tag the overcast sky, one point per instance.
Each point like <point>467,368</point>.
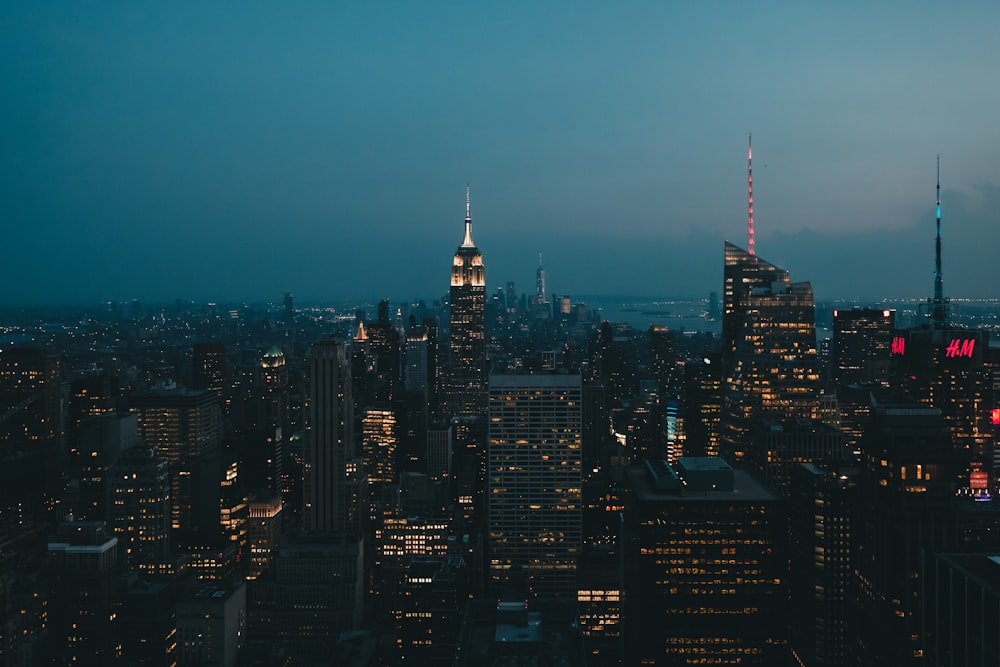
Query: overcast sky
<point>236,150</point>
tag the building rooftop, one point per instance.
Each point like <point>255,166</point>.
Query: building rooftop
<point>745,487</point>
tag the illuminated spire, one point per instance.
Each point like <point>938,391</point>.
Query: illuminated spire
<point>750,194</point>
<point>467,242</point>
<point>939,307</point>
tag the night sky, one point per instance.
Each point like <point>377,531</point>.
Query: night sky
<point>232,151</point>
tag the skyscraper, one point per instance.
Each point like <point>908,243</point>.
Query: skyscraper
<point>138,513</point>
<point>329,439</point>
<point>705,566</point>
<point>769,346</point>
<point>948,367</point>
<point>185,427</point>
<point>466,395</point>
<point>862,339</point>
<point>535,506</point>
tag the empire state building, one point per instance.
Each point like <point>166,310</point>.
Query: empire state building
<point>466,395</point>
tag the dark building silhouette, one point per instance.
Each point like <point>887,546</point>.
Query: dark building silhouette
<point>862,340</point>
<point>777,446</point>
<point>101,441</point>
<point>84,626</point>
<point>963,610</point>
<point>330,503</point>
<point>31,415</point>
<point>702,405</point>
<point>822,590</point>
<point>210,367</point>
<point>906,512</point>
<point>138,510</point>
<point>185,428</point>
<point>706,571</point>
<point>948,369</point>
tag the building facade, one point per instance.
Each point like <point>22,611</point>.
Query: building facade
<point>535,503</point>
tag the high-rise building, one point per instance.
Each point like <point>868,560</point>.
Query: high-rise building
<point>466,393</point>
<point>84,627</point>
<point>329,440</point>
<point>907,511</point>
<point>102,439</point>
<point>31,414</point>
<point>380,444</point>
<point>702,407</point>
<point>535,504</point>
<point>210,367</point>
<point>212,625</point>
<point>705,570</point>
<point>384,343</point>
<point>274,390</point>
<point>539,301</point>
<point>769,346</point>
<point>948,368</point>
<point>775,447</point>
<point>138,510</point>
<point>822,566</point>
<point>963,610</point>
<point>313,591</point>
<point>862,339</point>
<point>185,428</point>
<point>263,533</point>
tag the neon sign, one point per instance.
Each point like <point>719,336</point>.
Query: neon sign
<point>960,347</point>
<point>995,417</point>
<point>898,344</point>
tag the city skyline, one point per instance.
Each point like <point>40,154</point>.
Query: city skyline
<point>196,152</point>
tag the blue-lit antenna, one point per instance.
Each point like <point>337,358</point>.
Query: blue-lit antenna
<point>939,310</point>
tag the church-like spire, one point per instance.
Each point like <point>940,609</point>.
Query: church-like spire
<point>468,242</point>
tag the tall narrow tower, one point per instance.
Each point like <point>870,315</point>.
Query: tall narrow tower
<point>939,305</point>
<point>466,395</point>
<point>329,501</point>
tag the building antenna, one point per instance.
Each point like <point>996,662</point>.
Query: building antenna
<point>939,315</point>
<point>467,241</point>
<point>750,194</point>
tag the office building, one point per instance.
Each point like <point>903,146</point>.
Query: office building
<point>101,440</point>
<point>821,504</point>
<point>185,428</point>
<point>947,368</point>
<point>963,610</point>
<point>31,407</point>
<point>534,473</point>
<point>212,625</point>
<point>769,347</point>
<point>328,493</point>
<point>84,626</point>
<point>862,340</point>
<point>138,510</point>
<point>907,500</point>
<point>706,566</point>
<point>210,367</point>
